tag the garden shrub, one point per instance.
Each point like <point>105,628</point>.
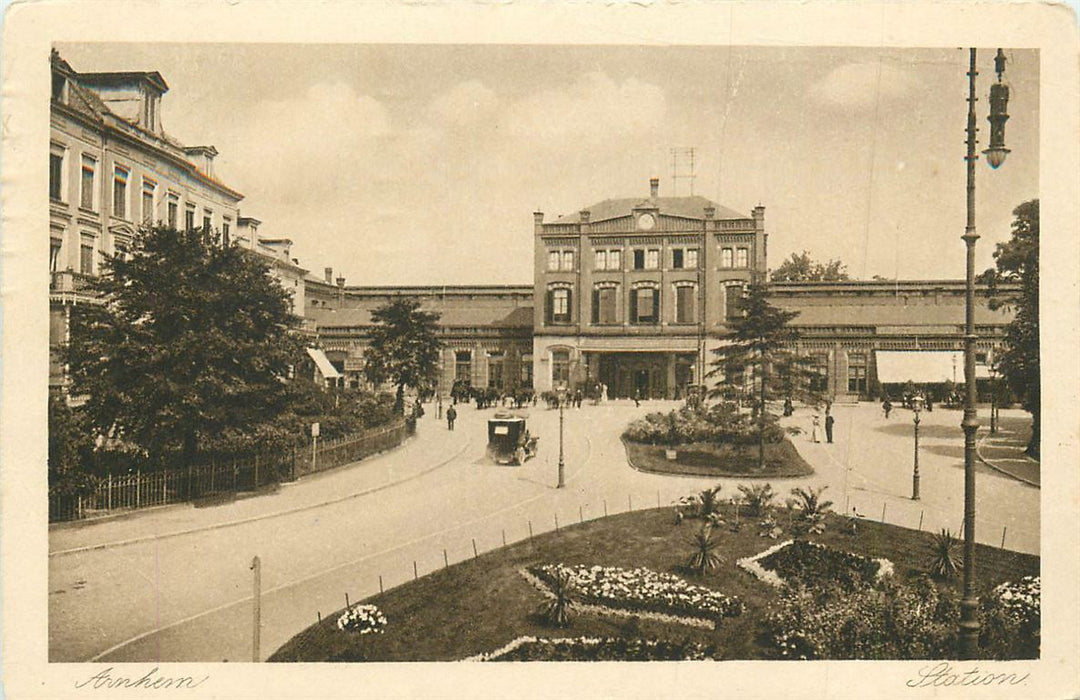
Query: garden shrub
<point>757,498</point>
<point>891,621</point>
<point>718,424</point>
<point>1012,620</point>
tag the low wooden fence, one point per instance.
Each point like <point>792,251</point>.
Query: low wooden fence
<point>225,475</point>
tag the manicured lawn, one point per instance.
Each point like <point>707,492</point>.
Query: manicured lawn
<point>781,460</point>
<point>482,604</point>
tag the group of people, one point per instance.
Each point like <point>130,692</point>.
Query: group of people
<point>830,423</point>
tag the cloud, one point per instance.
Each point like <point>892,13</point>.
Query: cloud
<point>464,104</point>
<point>592,110</point>
<point>859,86</point>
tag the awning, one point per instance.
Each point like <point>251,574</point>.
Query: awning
<point>326,368</point>
<point>924,367</point>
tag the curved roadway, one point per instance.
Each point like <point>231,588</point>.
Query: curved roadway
<point>174,584</point>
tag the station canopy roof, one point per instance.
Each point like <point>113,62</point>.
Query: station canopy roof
<point>326,368</point>
<point>924,366</point>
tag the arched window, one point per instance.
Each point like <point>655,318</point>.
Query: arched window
<point>560,367</point>
<point>645,304</point>
<point>605,304</point>
<point>558,305</point>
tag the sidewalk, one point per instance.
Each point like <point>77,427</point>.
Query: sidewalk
<point>1004,451</point>
<point>431,448</point>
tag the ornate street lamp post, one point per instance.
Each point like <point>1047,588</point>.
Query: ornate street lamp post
<point>918,404</point>
<point>995,156</point>
<point>561,391</point>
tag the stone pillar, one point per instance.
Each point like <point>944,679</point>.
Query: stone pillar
<point>479,367</point>
<point>669,389</point>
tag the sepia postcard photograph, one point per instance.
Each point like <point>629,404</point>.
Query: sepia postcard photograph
<point>380,342</point>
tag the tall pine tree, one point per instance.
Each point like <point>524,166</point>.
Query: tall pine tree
<point>760,345</point>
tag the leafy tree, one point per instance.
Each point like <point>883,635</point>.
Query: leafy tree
<point>762,343</point>
<point>191,342</point>
<point>404,347</point>
<point>800,267</point>
<point>1017,262</point>
<point>68,446</point>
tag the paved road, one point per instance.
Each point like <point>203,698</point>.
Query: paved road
<point>175,584</point>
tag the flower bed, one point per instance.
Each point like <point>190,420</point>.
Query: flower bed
<point>643,590</point>
<point>598,649</point>
<point>1021,599</point>
<point>362,619</point>
<point>811,564</point>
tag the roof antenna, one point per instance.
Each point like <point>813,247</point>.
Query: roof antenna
<point>686,154</point>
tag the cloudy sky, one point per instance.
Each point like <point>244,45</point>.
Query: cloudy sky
<point>423,164</point>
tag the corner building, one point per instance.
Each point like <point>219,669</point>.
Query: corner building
<point>628,291</point>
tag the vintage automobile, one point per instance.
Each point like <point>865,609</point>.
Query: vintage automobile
<point>509,441</point>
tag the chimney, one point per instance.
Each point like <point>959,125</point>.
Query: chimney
<point>329,273</point>
<point>340,281</point>
<point>538,221</point>
<point>654,187</point>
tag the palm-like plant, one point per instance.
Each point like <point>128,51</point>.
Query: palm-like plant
<point>704,558</point>
<point>757,497</point>
<point>812,508</point>
<point>558,609</point>
<point>710,502</point>
<point>944,564</point>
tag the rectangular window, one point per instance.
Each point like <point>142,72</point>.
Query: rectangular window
<point>526,370</point>
<point>819,372</point>
<point>645,303</point>
<point>225,231</point>
<point>560,306</point>
<point>56,173</point>
<point>857,373</point>
<point>639,259</point>
<point>463,366</point>
<point>173,208</point>
<point>741,258</point>
<point>691,258</point>
<point>553,260</point>
<point>685,304</point>
<point>189,217</point>
<point>148,188</point>
<point>560,367</point>
<point>601,260</point>
<point>568,260</point>
<point>207,220</point>
<point>733,302</point>
<point>120,177</point>
<point>676,258</point>
<point>86,183</point>
<point>614,260</point>
<point>86,259</point>
<point>726,259</point>
<point>495,370</point>
<point>652,260</point>
<point>54,255</point>
<point>604,299</point>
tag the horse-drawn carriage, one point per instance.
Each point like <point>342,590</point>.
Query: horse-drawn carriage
<point>509,441</point>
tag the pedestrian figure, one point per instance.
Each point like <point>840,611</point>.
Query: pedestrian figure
<point>603,393</point>
<point>814,429</point>
<point>887,405</point>
<point>788,408</point>
<point>829,421</point>
<point>438,405</point>
<point>637,397</point>
<point>451,416</point>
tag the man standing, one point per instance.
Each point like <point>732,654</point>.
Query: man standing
<point>829,420</point>
<point>887,406</point>
<point>451,416</point>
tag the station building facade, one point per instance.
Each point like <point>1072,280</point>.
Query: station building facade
<point>634,293</point>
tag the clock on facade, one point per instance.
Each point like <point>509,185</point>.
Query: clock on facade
<point>646,222</point>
